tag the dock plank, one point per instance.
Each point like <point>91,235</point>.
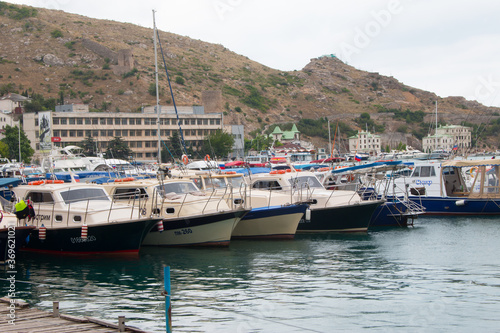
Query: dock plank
<point>33,320</point>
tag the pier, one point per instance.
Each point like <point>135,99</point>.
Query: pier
<point>18,316</point>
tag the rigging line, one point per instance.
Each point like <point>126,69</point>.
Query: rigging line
<point>171,92</point>
<point>173,158</point>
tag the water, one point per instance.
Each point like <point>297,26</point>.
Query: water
<point>443,274</point>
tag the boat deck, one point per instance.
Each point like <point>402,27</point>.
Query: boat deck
<point>33,320</point>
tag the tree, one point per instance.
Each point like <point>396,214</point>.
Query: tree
<point>4,149</point>
<point>11,139</point>
<point>218,144</point>
<point>175,146</point>
<point>89,146</point>
<point>117,148</point>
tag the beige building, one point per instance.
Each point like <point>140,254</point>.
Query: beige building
<point>365,142</point>
<point>139,130</point>
<point>448,137</point>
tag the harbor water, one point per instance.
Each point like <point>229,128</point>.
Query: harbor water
<point>442,274</point>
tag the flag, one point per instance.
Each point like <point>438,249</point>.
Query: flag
<point>357,157</point>
<point>455,147</point>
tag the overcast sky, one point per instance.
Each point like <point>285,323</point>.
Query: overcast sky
<point>448,47</point>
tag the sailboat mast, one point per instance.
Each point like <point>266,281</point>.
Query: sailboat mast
<point>436,132</point>
<point>329,139</point>
<point>157,91</point>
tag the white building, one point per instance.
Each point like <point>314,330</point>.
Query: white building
<point>138,130</point>
<point>365,142</point>
<point>448,137</point>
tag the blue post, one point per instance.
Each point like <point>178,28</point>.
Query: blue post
<point>168,306</point>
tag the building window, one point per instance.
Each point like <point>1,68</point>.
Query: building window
<point>118,133</point>
<point>147,132</point>
<point>88,133</point>
<point>147,144</point>
<point>217,121</point>
<point>87,121</point>
<point>79,133</point>
<point>193,121</point>
<point>153,132</point>
<point>95,121</point>
<point>138,133</point>
<point>200,121</point>
<point>37,134</point>
<point>124,121</point>
<point>124,133</point>
<point>138,121</point>
<point>132,133</point>
<point>117,121</point>
<point>64,133</point>
<point>131,121</point>
<point>110,133</point>
<point>64,121</point>
<point>102,121</point>
<point>103,132</point>
<point>95,133</point>
<point>109,121</point>
<point>56,133</point>
<point>146,121</point>
<point>72,121</point>
<point>139,144</point>
<point>152,121</point>
<point>79,121</point>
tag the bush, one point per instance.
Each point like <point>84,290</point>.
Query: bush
<point>56,33</point>
<point>179,80</point>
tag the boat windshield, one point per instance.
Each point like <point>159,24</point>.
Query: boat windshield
<point>236,182</point>
<point>84,194</point>
<point>215,183</point>
<point>178,188</point>
<point>305,181</point>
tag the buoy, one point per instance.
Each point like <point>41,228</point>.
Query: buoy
<point>126,179</point>
<point>159,225</point>
<point>85,230</point>
<point>42,232</point>
<point>308,214</point>
<point>36,182</point>
<point>185,159</point>
<point>207,158</point>
<point>460,202</point>
<point>52,181</point>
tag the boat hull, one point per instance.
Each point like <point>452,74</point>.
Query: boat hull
<point>199,230</point>
<point>390,214</point>
<point>349,218</point>
<point>274,222</point>
<point>109,238</point>
<point>449,206</point>
<point>13,238</point>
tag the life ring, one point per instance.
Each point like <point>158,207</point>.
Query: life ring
<point>207,158</point>
<point>473,170</point>
<point>185,159</point>
<point>52,181</point>
<point>324,169</point>
<point>127,179</point>
<point>230,172</point>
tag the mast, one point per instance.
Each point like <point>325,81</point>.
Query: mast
<point>329,139</point>
<point>436,132</point>
<point>157,92</point>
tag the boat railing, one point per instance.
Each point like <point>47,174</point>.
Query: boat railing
<point>42,208</point>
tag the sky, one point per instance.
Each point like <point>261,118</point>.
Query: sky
<point>451,48</point>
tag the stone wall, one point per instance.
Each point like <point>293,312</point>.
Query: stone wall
<point>212,101</point>
<point>100,50</point>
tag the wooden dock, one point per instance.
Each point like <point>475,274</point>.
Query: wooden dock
<point>33,320</point>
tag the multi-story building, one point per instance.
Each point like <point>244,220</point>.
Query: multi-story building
<point>365,142</point>
<point>139,130</point>
<point>448,137</point>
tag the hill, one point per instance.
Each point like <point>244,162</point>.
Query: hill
<point>110,66</point>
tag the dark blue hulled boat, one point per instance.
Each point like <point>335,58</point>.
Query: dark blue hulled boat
<point>457,195</point>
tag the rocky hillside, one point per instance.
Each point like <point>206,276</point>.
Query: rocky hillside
<point>110,66</point>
